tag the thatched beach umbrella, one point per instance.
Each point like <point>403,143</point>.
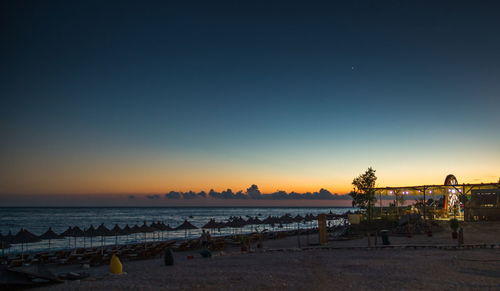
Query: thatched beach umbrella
<point>250,221</point>
<point>161,227</point>
<point>299,218</point>
<point>24,237</point>
<point>167,228</point>
<point>271,221</point>
<point>211,224</point>
<point>309,217</point>
<point>117,231</point>
<point>91,233</point>
<point>286,219</point>
<point>158,225</point>
<point>9,237</point>
<point>77,232</point>
<point>49,235</point>
<point>135,230</point>
<point>232,225</point>
<point>4,243</point>
<point>254,221</point>
<point>127,230</point>
<point>146,229</point>
<point>235,223</point>
<point>103,231</point>
<point>240,223</point>
<point>186,225</point>
<point>68,234</point>
<point>156,228</point>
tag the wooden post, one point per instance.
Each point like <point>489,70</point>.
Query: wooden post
<point>323,234</point>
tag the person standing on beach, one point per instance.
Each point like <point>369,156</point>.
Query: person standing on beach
<point>204,239</point>
<point>209,238</point>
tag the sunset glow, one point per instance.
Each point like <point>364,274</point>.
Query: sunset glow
<point>286,103</point>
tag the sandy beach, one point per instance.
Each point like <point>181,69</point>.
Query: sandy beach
<point>344,265</point>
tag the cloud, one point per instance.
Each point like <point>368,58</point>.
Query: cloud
<point>254,193</point>
<point>154,196</point>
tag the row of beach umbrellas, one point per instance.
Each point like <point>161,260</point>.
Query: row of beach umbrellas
<point>24,236</point>
<point>238,222</point>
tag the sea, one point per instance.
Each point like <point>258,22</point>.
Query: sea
<point>38,219</point>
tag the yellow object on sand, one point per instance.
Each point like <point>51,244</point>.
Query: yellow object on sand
<point>116,266</point>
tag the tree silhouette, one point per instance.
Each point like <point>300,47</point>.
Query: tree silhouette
<point>363,194</point>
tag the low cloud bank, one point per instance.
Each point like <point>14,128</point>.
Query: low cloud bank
<point>253,192</point>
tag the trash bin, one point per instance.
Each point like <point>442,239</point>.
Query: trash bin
<point>168,257</point>
<point>385,237</point>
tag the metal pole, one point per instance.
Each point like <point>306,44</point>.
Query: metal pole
<point>380,197</point>
<point>425,202</point>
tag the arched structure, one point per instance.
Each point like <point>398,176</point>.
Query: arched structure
<point>450,190</point>
<point>450,180</point>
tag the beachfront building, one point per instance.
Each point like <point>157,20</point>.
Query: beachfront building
<point>463,201</point>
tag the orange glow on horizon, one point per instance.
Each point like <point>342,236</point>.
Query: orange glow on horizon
<point>127,173</point>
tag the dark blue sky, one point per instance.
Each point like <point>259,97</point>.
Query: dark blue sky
<point>247,84</point>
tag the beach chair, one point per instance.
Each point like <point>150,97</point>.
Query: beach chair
<point>217,245</point>
<point>16,263</point>
<point>183,246</point>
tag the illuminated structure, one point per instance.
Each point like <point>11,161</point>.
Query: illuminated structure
<point>451,193</point>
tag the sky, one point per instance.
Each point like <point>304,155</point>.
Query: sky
<point>124,97</point>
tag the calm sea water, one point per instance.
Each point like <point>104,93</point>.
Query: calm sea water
<point>37,220</point>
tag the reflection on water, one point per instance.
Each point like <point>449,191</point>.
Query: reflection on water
<point>37,220</point>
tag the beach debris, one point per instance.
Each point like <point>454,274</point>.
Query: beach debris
<point>74,276</point>
<point>22,277</point>
<point>116,266</point>
<point>205,254</point>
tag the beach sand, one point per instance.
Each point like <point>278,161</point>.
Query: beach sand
<point>284,266</point>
